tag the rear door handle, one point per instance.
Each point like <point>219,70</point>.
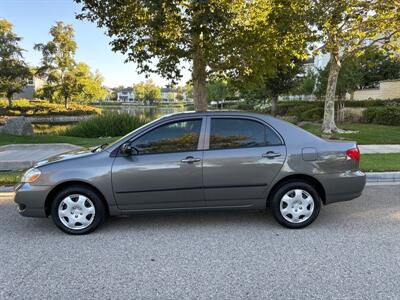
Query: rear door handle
<point>190,159</point>
<point>271,154</point>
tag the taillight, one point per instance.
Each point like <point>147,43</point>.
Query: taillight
<point>354,154</point>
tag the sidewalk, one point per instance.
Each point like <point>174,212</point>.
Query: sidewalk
<point>373,149</point>
<point>22,156</point>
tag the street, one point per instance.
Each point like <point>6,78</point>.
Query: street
<point>351,251</point>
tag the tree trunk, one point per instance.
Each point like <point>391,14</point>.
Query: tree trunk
<point>66,104</point>
<point>199,76</point>
<point>329,125</point>
<point>274,104</point>
<point>9,97</point>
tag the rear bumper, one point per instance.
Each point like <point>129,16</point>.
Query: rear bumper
<point>30,200</point>
<point>343,186</point>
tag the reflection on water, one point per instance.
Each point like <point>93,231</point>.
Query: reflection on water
<point>150,112</point>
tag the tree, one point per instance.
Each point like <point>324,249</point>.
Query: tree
<point>65,78</point>
<point>147,91</point>
<point>14,73</point>
<point>307,84</point>
<point>275,43</point>
<point>364,71</point>
<point>81,84</point>
<point>218,89</point>
<point>58,63</point>
<point>179,94</point>
<point>377,65</point>
<point>88,85</point>
<point>348,28</point>
<point>349,79</point>
<point>214,36</point>
<point>282,82</point>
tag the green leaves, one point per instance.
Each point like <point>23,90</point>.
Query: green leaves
<point>242,39</point>
<point>66,80</point>
<point>14,73</point>
<point>147,91</point>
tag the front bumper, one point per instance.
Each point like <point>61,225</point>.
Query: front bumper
<point>31,200</point>
<point>343,187</point>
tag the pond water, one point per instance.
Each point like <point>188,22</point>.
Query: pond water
<point>148,111</point>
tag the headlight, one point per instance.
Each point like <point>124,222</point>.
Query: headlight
<point>31,175</point>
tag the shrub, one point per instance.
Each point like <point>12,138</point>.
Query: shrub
<point>382,115</point>
<point>371,103</point>
<point>107,124</point>
<point>26,107</point>
<point>315,114</point>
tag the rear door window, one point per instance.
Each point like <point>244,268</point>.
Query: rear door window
<point>230,133</point>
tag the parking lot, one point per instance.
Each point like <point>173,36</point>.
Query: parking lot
<point>350,252</point>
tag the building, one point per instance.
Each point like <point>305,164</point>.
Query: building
<point>126,95</point>
<point>28,92</point>
<point>168,94</point>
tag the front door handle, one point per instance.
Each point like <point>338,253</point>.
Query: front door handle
<point>271,154</point>
<point>190,159</point>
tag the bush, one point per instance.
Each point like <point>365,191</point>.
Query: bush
<point>315,114</point>
<point>26,107</point>
<point>382,115</point>
<point>245,105</point>
<point>313,110</point>
<point>106,125</point>
<point>371,103</point>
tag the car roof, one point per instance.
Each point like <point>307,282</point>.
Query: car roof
<point>217,113</point>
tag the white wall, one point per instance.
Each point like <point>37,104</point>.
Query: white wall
<point>388,89</point>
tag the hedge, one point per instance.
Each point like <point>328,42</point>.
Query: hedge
<point>382,115</point>
<point>314,110</point>
<point>371,103</point>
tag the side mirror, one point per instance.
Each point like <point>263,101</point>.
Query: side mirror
<point>127,149</point>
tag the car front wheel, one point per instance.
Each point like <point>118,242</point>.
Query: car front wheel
<point>77,210</point>
<point>295,204</point>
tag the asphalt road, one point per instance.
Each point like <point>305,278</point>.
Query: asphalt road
<point>352,251</point>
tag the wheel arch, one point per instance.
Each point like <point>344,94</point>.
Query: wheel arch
<point>302,177</point>
<point>60,186</point>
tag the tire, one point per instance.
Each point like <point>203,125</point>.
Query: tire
<point>77,210</point>
<point>295,204</point>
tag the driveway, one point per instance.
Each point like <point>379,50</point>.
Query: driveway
<point>23,156</point>
<point>350,252</point>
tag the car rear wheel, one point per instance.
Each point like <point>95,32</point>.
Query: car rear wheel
<point>77,210</point>
<point>295,204</point>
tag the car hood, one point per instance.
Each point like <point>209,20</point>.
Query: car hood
<point>66,156</point>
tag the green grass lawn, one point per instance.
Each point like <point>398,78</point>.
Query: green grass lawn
<point>367,133</point>
<point>380,162</point>
<point>10,177</point>
<point>45,139</point>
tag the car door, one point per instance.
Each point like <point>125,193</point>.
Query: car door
<point>242,156</point>
<point>166,171</point>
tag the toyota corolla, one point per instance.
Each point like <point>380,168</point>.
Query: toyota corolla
<point>195,161</point>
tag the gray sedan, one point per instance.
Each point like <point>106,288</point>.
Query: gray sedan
<point>195,161</point>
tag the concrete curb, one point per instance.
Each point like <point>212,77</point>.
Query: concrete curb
<point>383,176</point>
<point>372,177</point>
